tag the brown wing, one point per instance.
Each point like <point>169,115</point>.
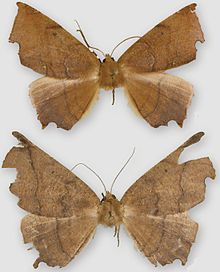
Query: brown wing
<point>156,205</point>
<point>63,101</point>
<point>158,97</point>
<point>63,208</point>
<point>58,240</point>
<point>170,44</point>
<point>48,49</point>
<point>44,186</point>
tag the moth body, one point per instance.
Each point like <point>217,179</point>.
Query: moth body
<point>110,76</point>
<point>110,211</point>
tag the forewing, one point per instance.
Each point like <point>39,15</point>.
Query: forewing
<point>170,44</point>
<point>58,240</point>
<point>48,49</point>
<point>158,97</point>
<point>44,186</point>
<point>156,205</point>
<point>63,101</point>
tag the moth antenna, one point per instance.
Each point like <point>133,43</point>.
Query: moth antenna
<point>92,172</point>
<point>129,38</point>
<point>85,40</point>
<point>113,183</point>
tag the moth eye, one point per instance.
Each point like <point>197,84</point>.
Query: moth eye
<point>103,199</point>
<point>104,60</point>
<point>112,58</point>
<point>114,196</point>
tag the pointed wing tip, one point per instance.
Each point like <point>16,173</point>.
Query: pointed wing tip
<point>191,6</point>
<point>21,138</point>
<point>213,172</point>
<point>20,4</point>
<point>194,139</point>
<point>199,134</point>
<point>18,135</point>
<point>7,163</point>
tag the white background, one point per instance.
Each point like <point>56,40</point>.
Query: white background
<point>105,139</point>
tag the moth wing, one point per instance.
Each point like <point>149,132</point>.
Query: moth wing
<point>158,97</point>
<point>63,101</point>
<point>170,44</point>
<point>44,186</point>
<point>58,240</point>
<point>156,205</point>
<point>48,49</point>
<point>71,70</point>
<point>63,208</point>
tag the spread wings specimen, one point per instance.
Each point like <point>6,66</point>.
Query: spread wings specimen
<point>64,212</point>
<point>73,74</point>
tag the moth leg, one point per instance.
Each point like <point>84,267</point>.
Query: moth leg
<point>117,233</point>
<point>30,248</point>
<point>113,96</point>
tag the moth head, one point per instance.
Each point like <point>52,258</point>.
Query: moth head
<point>108,197</point>
<point>108,58</point>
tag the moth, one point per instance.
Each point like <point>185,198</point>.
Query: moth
<point>74,74</point>
<point>64,212</point>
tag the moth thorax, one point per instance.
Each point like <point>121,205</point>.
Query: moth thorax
<point>110,76</point>
<point>110,211</point>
